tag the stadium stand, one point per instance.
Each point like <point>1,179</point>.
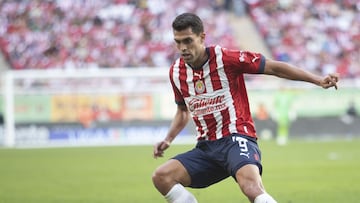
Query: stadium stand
<point>322,36</point>
<point>92,34</point>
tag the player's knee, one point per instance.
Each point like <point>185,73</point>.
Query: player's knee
<point>160,175</point>
<point>162,180</point>
<point>157,176</point>
<point>251,189</point>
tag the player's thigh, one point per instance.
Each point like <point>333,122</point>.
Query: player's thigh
<point>201,167</point>
<point>175,171</point>
<point>248,174</point>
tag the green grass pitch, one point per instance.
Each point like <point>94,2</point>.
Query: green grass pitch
<point>302,171</point>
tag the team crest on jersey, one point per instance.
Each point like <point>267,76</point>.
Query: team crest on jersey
<point>199,87</point>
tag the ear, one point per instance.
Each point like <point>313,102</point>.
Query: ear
<point>202,36</point>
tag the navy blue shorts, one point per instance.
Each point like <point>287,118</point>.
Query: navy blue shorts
<point>212,161</point>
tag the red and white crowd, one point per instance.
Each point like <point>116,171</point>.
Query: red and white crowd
<point>37,34</point>
<point>320,35</point>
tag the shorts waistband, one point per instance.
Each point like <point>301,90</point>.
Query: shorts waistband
<point>253,139</point>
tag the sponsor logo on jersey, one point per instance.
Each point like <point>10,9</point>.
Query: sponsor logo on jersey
<point>207,105</point>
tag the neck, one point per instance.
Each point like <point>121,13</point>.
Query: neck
<point>202,59</point>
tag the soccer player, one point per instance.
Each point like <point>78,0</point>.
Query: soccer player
<point>209,86</point>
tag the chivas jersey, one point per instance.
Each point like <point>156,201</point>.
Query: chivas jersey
<point>215,94</point>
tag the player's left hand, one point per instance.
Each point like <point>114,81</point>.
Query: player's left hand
<point>330,81</point>
<point>160,147</point>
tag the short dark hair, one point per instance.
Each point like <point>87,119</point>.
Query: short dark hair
<point>186,20</point>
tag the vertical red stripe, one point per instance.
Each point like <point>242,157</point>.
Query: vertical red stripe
<point>182,77</point>
<point>215,78</point>
<point>211,124</point>
<point>225,122</point>
<point>177,94</point>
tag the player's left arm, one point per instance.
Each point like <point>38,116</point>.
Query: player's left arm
<point>291,72</point>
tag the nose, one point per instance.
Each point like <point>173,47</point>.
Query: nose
<point>182,47</point>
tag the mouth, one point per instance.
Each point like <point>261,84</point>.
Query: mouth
<point>186,56</point>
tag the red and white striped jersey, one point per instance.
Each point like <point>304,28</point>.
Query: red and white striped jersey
<point>215,94</point>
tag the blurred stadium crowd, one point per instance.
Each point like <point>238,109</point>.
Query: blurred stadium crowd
<point>39,34</point>
<point>320,35</point>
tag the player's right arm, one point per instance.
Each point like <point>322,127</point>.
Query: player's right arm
<point>180,120</point>
<point>291,72</point>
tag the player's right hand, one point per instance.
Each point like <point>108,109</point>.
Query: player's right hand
<point>160,147</point>
<point>330,81</point>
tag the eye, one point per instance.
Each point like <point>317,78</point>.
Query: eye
<point>187,41</point>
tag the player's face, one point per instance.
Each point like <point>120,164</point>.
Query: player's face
<point>190,45</point>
